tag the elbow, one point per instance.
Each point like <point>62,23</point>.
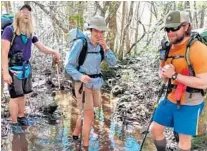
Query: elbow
<point>203,85</point>
<point>113,63</point>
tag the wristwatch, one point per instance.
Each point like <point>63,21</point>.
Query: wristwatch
<point>174,76</point>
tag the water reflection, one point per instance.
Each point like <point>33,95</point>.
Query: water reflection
<point>106,135</point>
<point>19,142</point>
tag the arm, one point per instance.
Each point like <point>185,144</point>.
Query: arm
<point>199,82</point>
<point>5,51</point>
<point>5,43</point>
<point>109,57</point>
<point>46,50</point>
<point>72,64</point>
<point>198,58</point>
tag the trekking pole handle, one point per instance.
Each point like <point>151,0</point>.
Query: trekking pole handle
<point>161,90</point>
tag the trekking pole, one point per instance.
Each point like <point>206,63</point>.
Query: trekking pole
<point>57,68</point>
<point>82,118</point>
<point>147,130</point>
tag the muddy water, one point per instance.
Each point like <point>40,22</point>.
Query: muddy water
<point>106,134</point>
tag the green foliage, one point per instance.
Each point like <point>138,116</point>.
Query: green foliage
<point>180,5</point>
<point>201,4</point>
<point>78,19</point>
<point>2,5</point>
<point>199,142</point>
<point>104,66</point>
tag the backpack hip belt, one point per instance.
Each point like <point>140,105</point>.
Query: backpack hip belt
<point>188,89</point>
<point>95,75</point>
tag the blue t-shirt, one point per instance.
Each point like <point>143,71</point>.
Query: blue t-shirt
<point>19,44</point>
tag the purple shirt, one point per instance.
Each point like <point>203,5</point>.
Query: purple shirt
<point>18,45</point>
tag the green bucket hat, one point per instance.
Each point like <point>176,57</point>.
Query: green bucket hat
<point>176,18</point>
<point>97,22</point>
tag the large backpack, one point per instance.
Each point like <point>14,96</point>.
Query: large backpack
<point>7,20</point>
<point>75,34</point>
<point>196,35</point>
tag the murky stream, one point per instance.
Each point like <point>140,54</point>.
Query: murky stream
<point>106,134</point>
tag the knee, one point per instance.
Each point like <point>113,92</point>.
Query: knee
<point>89,114</point>
<point>184,143</point>
<point>156,130</point>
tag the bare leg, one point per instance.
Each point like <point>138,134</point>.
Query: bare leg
<point>76,132</point>
<point>157,132</point>
<point>184,142</point>
<point>88,119</point>
<point>21,105</point>
<point>14,108</point>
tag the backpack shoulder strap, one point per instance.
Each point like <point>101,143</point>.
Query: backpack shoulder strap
<point>83,53</point>
<point>13,37</point>
<point>12,41</point>
<point>102,53</point>
<point>187,55</point>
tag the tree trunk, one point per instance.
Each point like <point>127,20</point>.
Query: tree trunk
<point>195,15</point>
<point>120,52</point>
<point>202,16</point>
<point>112,24</point>
<point>202,126</point>
<point>8,6</point>
<point>137,26</point>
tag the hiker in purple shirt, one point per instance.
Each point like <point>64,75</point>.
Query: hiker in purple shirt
<point>17,42</point>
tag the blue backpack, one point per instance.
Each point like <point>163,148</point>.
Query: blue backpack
<point>6,20</point>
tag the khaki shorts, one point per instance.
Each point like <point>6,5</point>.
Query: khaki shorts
<point>92,97</point>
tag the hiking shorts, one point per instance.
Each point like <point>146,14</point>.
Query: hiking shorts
<point>184,120</point>
<point>92,97</point>
<point>19,88</point>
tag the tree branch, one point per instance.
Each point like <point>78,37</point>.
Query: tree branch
<point>135,43</point>
<point>52,16</point>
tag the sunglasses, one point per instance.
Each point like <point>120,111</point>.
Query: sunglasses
<point>173,29</point>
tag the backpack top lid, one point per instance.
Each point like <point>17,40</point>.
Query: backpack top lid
<point>6,20</point>
<point>74,34</point>
<point>202,32</point>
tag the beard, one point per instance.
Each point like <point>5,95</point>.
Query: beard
<point>177,39</point>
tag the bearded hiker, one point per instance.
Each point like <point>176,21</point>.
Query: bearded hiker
<point>181,114</point>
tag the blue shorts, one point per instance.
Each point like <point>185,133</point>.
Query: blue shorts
<point>184,120</point>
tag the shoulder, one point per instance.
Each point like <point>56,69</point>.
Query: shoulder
<point>8,30</point>
<point>79,41</point>
<point>8,33</point>
<point>199,48</point>
<point>198,51</point>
